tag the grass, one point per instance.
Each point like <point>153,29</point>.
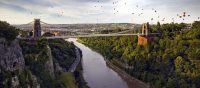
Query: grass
<point>67,80</point>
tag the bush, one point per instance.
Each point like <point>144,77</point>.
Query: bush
<point>8,32</point>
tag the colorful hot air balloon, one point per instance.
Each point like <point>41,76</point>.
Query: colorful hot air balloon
<point>184,14</point>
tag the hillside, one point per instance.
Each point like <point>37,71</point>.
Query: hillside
<point>171,60</point>
<point>36,63</point>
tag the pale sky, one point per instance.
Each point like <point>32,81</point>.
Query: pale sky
<point>99,11</point>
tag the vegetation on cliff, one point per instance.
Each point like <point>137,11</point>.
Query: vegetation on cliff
<point>35,55</point>
<point>171,60</point>
<point>63,52</point>
<point>41,59</point>
<point>8,32</point>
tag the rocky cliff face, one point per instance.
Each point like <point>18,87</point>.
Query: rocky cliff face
<point>37,65</point>
<point>49,64</point>
<point>11,57</point>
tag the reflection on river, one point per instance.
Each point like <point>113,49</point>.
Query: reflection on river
<point>95,71</point>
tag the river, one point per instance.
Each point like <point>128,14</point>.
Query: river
<point>95,71</point>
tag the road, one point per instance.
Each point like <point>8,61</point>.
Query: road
<point>91,35</point>
<point>99,35</point>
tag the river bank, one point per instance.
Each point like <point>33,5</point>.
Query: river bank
<point>131,81</point>
<point>77,69</point>
<point>78,73</point>
<point>95,71</point>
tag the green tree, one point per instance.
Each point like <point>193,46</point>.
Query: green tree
<point>179,63</point>
<point>7,31</point>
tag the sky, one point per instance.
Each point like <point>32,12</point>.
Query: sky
<point>99,11</point>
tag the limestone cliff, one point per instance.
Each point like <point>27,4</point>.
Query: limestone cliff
<point>32,63</point>
<point>11,57</point>
<point>49,64</point>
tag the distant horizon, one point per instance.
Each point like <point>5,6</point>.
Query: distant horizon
<point>105,23</point>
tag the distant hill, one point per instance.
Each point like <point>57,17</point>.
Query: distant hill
<point>101,26</point>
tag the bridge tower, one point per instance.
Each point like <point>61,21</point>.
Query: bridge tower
<point>144,38</point>
<point>36,28</point>
<point>145,29</point>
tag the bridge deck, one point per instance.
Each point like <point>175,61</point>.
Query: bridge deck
<point>98,35</point>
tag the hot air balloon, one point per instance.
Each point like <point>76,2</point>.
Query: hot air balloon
<point>163,19</point>
<point>184,14</point>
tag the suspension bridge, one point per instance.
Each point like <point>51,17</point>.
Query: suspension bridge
<point>38,26</point>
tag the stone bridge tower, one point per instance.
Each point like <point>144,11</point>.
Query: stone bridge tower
<point>145,29</point>
<point>144,37</point>
<point>36,28</point>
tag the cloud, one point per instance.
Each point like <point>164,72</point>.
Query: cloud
<point>98,1</point>
<point>12,7</point>
<point>91,10</point>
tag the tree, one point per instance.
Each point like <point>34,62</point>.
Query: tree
<point>171,83</point>
<point>48,34</point>
<point>158,26</point>
<point>8,32</point>
<point>179,63</point>
<point>196,25</point>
